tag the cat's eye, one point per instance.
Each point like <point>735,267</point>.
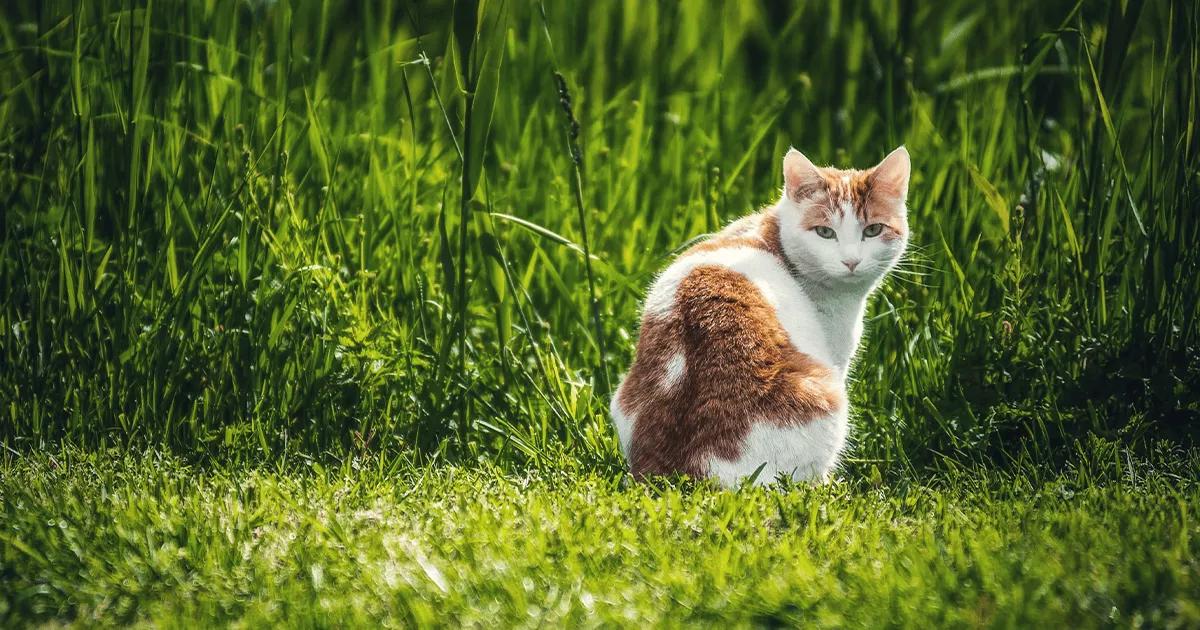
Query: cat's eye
<point>873,230</point>
<point>825,232</point>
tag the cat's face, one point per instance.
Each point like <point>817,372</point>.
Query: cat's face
<point>844,227</point>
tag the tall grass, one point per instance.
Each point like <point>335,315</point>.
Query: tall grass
<point>254,229</point>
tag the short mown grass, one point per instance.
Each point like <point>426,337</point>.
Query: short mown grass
<point>365,274</point>
<point>119,538</point>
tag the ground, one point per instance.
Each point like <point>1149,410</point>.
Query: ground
<point>116,538</point>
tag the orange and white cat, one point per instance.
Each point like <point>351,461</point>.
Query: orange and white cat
<point>747,337</point>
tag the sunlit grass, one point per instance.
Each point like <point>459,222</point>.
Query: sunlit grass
<point>112,539</point>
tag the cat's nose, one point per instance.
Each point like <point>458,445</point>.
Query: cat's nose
<point>851,263</point>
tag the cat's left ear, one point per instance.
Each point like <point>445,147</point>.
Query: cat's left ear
<point>889,178</point>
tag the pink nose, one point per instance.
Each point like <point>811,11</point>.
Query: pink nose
<point>850,264</point>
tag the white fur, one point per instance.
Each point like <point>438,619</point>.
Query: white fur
<point>803,452</point>
<point>674,372</point>
<point>622,422</point>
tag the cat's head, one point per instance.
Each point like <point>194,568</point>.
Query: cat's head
<point>844,228</point>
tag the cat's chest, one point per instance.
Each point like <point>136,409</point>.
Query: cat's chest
<point>835,321</point>
<point>843,333</point>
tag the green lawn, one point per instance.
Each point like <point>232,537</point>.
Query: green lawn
<point>406,244</point>
<point>118,538</point>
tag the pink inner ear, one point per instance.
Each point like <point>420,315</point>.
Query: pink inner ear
<point>889,188</point>
<point>800,176</point>
<point>890,177</point>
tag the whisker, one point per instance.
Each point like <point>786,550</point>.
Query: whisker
<point>912,282</point>
<point>910,265</point>
<point>908,272</point>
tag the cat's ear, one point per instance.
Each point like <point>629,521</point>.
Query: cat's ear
<point>800,177</point>
<point>889,178</point>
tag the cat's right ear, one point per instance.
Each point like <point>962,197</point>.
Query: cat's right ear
<point>800,176</point>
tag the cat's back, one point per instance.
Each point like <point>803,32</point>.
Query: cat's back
<point>751,256</point>
<point>730,361</point>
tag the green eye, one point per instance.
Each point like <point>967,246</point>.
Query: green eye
<point>825,232</point>
<point>873,230</point>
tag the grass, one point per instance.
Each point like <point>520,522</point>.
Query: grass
<point>256,240</point>
<point>148,539</point>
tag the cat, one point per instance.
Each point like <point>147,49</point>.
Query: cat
<point>747,337</point>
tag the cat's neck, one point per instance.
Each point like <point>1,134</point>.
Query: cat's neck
<point>842,312</point>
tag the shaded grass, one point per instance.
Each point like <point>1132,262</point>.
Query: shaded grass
<point>114,538</point>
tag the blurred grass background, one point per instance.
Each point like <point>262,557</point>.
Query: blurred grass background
<point>255,230</point>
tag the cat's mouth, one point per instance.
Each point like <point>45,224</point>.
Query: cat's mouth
<point>858,274</point>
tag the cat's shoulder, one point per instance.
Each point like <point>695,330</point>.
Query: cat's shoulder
<point>749,246</point>
<point>758,231</point>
